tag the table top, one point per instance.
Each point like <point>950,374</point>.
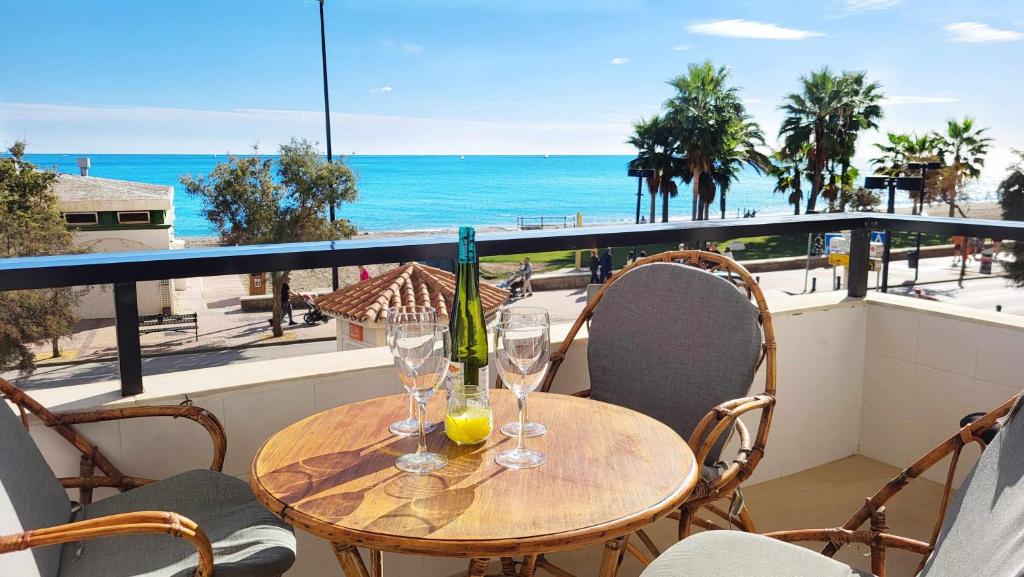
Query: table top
<point>609,471</point>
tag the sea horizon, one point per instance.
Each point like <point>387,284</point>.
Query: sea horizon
<point>437,192</point>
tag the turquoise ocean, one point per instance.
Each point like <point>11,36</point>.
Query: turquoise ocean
<point>443,192</point>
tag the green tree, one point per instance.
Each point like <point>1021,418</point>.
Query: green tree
<point>248,206</point>
<point>787,168</point>
<point>1011,199</point>
<point>739,149</point>
<point>709,125</point>
<point>902,149</point>
<point>31,225</point>
<point>962,147</point>
<point>860,110</point>
<point>655,151</point>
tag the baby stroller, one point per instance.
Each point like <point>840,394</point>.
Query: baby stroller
<point>314,315</point>
<point>514,285</point>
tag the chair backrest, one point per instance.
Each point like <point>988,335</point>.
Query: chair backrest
<point>30,498</point>
<point>673,341</point>
<point>983,531</point>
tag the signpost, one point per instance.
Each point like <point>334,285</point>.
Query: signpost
<point>891,183</point>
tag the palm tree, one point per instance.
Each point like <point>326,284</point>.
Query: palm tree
<point>902,149</point>
<point>808,117</point>
<point>788,175</point>
<point>711,127</point>
<point>963,149</point>
<point>653,141</point>
<point>740,148</point>
<point>860,110</point>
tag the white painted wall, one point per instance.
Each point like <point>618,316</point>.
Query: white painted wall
<point>98,302</point>
<point>887,376</point>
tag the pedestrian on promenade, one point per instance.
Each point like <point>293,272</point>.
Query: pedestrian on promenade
<point>525,272</point>
<point>286,301</point>
<point>606,265</point>
<point>364,275</point>
<point>595,264</point>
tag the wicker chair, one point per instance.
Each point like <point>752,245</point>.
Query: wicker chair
<point>978,532</point>
<point>220,528</point>
<point>676,336</point>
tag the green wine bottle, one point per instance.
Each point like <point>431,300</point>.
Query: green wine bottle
<point>467,325</point>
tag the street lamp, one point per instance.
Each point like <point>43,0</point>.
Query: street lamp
<point>891,183</point>
<point>327,121</point>
<point>640,174</point>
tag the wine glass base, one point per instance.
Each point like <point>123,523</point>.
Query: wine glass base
<point>419,463</point>
<point>520,459</point>
<point>532,429</point>
<point>409,428</point>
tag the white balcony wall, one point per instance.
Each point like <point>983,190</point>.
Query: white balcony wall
<point>888,377</point>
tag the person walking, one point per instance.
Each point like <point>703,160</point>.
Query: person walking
<point>595,264</point>
<point>525,272</point>
<point>606,265</point>
<point>286,302</point>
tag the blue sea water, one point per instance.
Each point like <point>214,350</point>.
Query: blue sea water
<point>435,192</point>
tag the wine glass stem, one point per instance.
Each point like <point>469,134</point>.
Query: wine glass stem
<point>412,407</point>
<point>422,415</point>
<point>520,441</point>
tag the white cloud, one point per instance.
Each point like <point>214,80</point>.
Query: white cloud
<point>406,47</point>
<point>381,90</point>
<point>682,47</point>
<point>857,6</point>
<point>975,32</point>
<point>897,100</point>
<point>619,60</point>
<point>739,28</point>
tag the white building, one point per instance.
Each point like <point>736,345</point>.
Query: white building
<point>110,215</point>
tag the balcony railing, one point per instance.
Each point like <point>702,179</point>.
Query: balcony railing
<point>123,270</point>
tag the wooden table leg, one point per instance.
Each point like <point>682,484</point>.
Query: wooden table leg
<point>508,567</point>
<point>351,563</point>
<point>612,557</point>
<point>377,563</point>
<point>529,566</point>
<point>477,567</point>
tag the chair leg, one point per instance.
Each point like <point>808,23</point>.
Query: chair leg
<point>529,566</point>
<point>376,563</point>
<point>477,567</point>
<point>646,539</point>
<point>685,522</point>
<point>612,557</point>
<point>746,521</point>
<point>351,563</point>
<point>508,567</point>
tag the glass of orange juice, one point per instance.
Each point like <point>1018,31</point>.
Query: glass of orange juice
<point>468,419</point>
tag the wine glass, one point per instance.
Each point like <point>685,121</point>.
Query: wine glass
<point>520,353</point>
<point>397,316</point>
<point>423,350</point>
<point>536,316</point>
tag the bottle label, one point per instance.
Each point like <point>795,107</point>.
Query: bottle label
<point>456,379</point>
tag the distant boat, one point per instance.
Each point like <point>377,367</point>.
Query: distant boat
<point>463,157</point>
<point>547,156</point>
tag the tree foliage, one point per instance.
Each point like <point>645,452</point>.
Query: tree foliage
<point>962,147</point>
<point>31,225</point>
<point>248,205</point>
<point>704,137</point>
<point>1011,199</point>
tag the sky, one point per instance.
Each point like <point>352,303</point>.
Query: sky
<point>476,76</point>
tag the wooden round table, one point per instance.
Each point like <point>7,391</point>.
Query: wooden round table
<point>609,472</point>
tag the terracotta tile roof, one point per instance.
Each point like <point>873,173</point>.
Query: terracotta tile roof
<point>411,284</point>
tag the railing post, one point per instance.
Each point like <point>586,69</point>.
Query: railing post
<point>857,277</point>
<point>129,350</point>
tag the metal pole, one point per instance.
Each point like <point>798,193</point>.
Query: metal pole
<point>920,209</point>
<point>639,190</point>
<point>129,349</point>
<point>888,237</point>
<point>327,120</point>
<point>857,278</point>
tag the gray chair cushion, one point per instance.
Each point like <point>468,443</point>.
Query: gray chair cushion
<point>672,341</point>
<point>983,532</point>
<point>247,539</point>
<point>738,554</point>
<point>30,498</point>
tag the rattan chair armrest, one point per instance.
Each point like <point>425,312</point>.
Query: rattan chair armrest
<point>839,536</point>
<point>718,421</point>
<point>585,393</point>
<point>123,482</point>
<point>205,418</point>
<point>121,524</point>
